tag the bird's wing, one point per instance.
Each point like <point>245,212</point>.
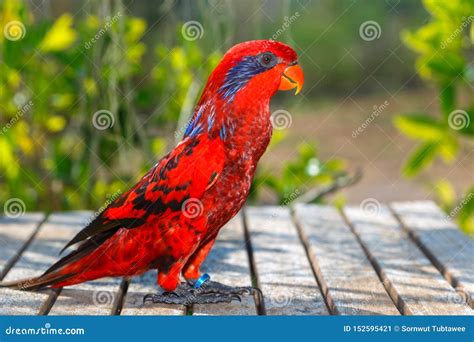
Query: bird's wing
<point>186,172</point>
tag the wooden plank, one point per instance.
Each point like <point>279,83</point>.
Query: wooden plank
<point>40,254</point>
<point>228,263</point>
<point>412,281</point>
<point>450,250</point>
<point>138,288</point>
<point>283,271</point>
<point>89,298</point>
<point>14,234</point>
<point>352,285</point>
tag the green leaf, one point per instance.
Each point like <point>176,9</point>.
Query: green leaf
<point>421,158</point>
<point>466,211</point>
<point>334,165</point>
<point>445,193</point>
<point>472,33</point>
<point>448,149</point>
<point>448,98</point>
<point>420,127</point>
<point>425,40</point>
<point>446,67</point>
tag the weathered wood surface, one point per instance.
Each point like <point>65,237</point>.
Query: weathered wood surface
<point>449,249</point>
<point>284,272</point>
<point>317,260</point>
<point>351,284</point>
<point>89,298</point>
<point>14,234</point>
<point>228,264</point>
<point>40,254</point>
<point>413,282</point>
<point>139,287</point>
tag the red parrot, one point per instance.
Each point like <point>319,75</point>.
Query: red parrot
<point>170,219</point>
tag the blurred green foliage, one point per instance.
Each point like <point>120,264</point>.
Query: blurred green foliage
<point>445,59</point>
<point>57,76</point>
<point>305,173</point>
<point>61,73</point>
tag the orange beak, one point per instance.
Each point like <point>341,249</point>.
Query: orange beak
<point>292,77</point>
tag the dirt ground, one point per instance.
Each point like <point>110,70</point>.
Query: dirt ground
<point>379,149</point>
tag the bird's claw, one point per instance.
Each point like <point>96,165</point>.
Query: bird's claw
<point>215,287</point>
<point>209,293</point>
<point>208,298</point>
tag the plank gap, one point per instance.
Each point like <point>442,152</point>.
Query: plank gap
<point>227,263</point>
<point>443,270</point>
<point>284,272</point>
<point>189,310</point>
<point>49,302</point>
<point>138,287</point>
<point>387,284</point>
<point>119,300</point>
<point>323,286</point>
<point>259,302</point>
<point>353,286</point>
<point>431,257</point>
<point>10,263</point>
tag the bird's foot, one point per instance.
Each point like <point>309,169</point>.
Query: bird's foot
<point>218,288</point>
<point>210,292</point>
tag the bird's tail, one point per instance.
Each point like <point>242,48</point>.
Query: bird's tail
<point>69,270</point>
<point>36,283</point>
<point>63,272</point>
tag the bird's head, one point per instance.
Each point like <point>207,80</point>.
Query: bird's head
<point>255,69</point>
<point>238,91</point>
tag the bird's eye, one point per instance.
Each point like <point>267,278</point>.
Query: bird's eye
<point>267,59</point>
